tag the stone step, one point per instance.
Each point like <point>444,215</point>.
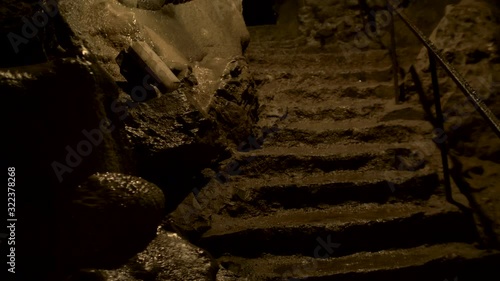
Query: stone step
<point>310,75</point>
<point>329,91</point>
<point>357,227</point>
<point>295,57</point>
<point>441,262</point>
<point>340,109</point>
<point>297,190</point>
<point>272,46</point>
<point>333,109</point>
<point>272,160</point>
<point>351,131</point>
<point>272,35</point>
<point>299,46</point>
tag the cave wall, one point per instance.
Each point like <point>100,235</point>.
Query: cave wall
<point>468,37</point>
<point>71,114</point>
<point>64,54</point>
<point>60,72</point>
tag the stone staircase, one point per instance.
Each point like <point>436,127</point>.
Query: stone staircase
<point>346,187</point>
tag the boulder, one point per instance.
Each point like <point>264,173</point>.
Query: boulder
<point>476,56</point>
<point>109,218</point>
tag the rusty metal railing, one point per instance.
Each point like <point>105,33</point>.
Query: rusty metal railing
<point>436,56</point>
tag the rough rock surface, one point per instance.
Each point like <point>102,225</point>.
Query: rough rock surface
<point>110,218</point>
<point>324,22</point>
<point>24,43</point>
<point>207,33</point>
<point>174,136</point>
<point>235,102</point>
<point>476,56</point>
<point>59,104</point>
<point>358,25</point>
<point>468,37</point>
<point>193,216</point>
<point>173,141</point>
<point>65,80</point>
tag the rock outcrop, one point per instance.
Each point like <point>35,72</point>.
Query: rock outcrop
<point>468,37</point>
<point>65,91</point>
<point>476,55</point>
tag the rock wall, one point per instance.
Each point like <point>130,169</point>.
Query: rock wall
<point>469,38</point>
<point>72,114</point>
<point>202,35</point>
<point>357,24</point>
<point>326,22</point>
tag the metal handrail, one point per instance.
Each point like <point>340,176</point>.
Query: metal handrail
<point>435,55</point>
<point>469,92</point>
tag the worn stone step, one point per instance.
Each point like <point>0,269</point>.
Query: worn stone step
<point>297,190</point>
<point>352,131</point>
<point>296,56</point>
<point>272,35</point>
<point>326,63</point>
<point>357,227</point>
<point>300,46</point>
<point>314,159</point>
<point>333,109</point>
<point>310,75</point>
<point>339,109</point>
<point>329,91</point>
<point>441,262</point>
<point>374,111</point>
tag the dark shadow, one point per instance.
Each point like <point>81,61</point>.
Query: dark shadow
<point>465,188</point>
<point>259,12</point>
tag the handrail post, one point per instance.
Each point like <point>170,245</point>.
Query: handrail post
<point>440,125</point>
